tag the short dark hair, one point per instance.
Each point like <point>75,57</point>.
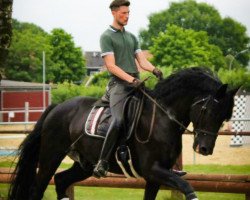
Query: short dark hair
<point>117,3</point>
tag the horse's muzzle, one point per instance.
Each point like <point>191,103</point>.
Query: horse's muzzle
<point>203,150</point>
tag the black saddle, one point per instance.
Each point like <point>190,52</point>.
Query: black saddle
<point>99,118</point>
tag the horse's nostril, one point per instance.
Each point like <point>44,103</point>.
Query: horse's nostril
<point>203,150</point>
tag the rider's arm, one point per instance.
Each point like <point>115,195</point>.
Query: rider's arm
<point>109,61</point>
<point>143,62</point>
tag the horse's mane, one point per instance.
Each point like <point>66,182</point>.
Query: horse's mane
<point>189,81</point>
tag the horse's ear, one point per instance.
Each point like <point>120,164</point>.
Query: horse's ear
<point>221,92</point>
<point>234,91</point>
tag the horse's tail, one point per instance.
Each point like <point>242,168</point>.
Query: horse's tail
<point>25,171</point>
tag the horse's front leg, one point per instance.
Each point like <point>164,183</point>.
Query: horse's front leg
<point>165,177</point>
<point>151,190</point>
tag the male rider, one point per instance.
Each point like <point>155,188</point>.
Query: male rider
<point>119,49</point>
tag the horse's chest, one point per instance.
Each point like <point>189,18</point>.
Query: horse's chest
<point>169,154</point>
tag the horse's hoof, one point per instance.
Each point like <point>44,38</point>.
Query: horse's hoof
<point>65,198</point>
<point>191,196</point>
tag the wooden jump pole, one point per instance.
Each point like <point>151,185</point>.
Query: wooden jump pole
<point>200,182</point>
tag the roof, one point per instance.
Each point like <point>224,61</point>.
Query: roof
<point>93,59</point>
<point>9,84</point>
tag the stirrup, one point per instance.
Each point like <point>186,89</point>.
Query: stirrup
<point>123,154</point>
<point>101,169</point>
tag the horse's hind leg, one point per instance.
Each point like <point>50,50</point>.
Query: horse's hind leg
<point>52,152</point>
<point>47,168</point>
<point>76,173</point>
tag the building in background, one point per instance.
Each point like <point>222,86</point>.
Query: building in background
<point>94,62</point>
<point>16,97</point>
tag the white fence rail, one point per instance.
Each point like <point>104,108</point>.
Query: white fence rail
<point>26,111</point>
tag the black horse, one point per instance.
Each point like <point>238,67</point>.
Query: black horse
<point>191,95</point>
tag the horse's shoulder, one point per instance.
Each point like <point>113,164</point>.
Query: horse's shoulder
<point>80,99</point>
<point>86,100</point>
<point>75,102</point>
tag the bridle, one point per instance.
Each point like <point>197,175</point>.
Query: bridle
<point>205,102</point>
<point>197,132</point>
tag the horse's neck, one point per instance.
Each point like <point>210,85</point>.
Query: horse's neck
<point>180,109</point>
<point>160,120</point>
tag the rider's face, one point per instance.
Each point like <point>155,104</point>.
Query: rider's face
<point>121,15</point>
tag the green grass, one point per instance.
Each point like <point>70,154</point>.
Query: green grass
<point>212,169</point>
<point>94,193</point>
<point>101,193</point>
<point>8,162</point>
<point>218,169</point>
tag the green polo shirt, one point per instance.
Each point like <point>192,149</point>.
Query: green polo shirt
<point>123,45</point>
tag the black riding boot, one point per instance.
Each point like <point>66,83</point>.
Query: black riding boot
<point>102,166</point>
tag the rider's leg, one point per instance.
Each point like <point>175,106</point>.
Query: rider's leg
<point>117,95</point>
<point>110,141</point>
<point>102,166</point>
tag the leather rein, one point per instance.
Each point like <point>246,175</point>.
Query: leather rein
<point>171,117</point>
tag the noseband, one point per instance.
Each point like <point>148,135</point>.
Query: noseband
<point>205,102</point>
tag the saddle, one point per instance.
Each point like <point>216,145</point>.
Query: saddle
<point>100,117</point>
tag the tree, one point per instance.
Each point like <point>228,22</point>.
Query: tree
<point>235,77</point>
<point>24,62</point>
<point>5,31</point>
<point>179,47</point>
<point>64,61</point>
<point>68,59</point>
<point>225,33</point>
<point>235,40</point>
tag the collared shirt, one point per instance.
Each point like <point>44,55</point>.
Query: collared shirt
<point>123,45</point>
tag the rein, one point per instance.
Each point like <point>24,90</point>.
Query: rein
<point>150,130</point>
<point>171,117</point>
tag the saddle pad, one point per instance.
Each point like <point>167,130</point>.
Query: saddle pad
<point>98,122</point>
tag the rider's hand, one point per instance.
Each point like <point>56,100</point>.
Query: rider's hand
<point>137,83</point>
<point>158,73</point>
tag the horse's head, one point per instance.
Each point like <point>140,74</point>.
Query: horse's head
<point>207,115</point>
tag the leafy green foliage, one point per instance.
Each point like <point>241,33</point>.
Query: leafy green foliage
<point>6,31</point>
<point>179,47</point>
<point>101,79</point>
<point>226,33</point>
<point>151,79</point>
<point>66,90</point>
<point>24,62</point>
<point>235,77</point>
<point>64,61</point>
<point>68,59</point>
<point>234,40</point>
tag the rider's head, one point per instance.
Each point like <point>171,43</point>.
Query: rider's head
<point>120,12</point>
<point>118,3</point>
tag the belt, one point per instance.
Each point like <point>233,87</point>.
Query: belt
<point>115,78</point>
<point>136,75</point>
